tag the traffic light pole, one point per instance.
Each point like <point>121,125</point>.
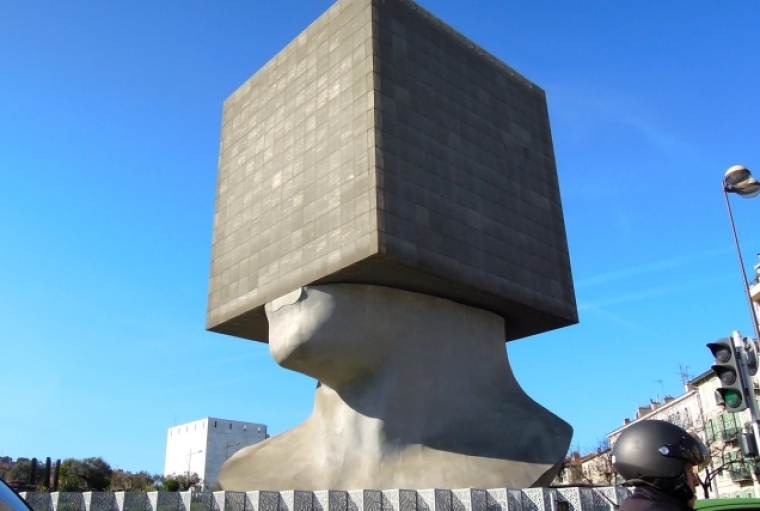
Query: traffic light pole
<point>737,342</point>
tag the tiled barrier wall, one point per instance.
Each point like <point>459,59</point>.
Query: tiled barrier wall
<point>502,499</point>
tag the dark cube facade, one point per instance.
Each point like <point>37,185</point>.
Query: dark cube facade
<point>382,147</point>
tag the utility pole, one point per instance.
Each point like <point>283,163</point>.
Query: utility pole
<point>748,356</point>
<point>189,459</point>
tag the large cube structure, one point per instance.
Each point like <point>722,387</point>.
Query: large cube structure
<point>382,147</point>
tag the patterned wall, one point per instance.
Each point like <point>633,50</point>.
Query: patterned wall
<point>382,147</point>
<point>295,187</point>
<point>469,499</point>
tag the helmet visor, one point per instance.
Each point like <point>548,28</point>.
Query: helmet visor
<point>689,449</point>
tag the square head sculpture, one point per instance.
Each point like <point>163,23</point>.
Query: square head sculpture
<point>381,147</point>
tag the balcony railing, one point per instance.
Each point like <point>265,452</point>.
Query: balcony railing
<point>726,435</point>
<point>740,474</point>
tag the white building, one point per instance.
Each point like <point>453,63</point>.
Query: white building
<point>699,412</point>
<point>735,474</point>
<point>684,411</point>
<point>202,446</point>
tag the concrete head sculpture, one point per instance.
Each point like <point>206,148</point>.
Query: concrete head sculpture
<point>415,391</point>
<point>382,159</point>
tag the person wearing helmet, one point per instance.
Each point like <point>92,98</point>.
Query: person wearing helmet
<point>660,460</point>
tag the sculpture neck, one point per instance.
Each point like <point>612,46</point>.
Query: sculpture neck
<point>433,398</point>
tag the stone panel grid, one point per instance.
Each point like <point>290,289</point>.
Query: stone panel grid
<point>382,147</point>
<point>231,500</point>
<point>572,496</point>
<point>587,499</point>
<point>366,500</point>
<point>163,501</point>
<point>514,499</point>
<point>399,500</point>
<point>39,501</point>
<point>67,501</point>
<point>533,499</point>
<point>100,501</point>
<point>287,501</point>
<point>196,500</point>
<point>497,499</point>
<point>605,499</point>
<point>330,500</point>
<point>468,168</point>
<point>264,500</point>
<point>295,184</point>
<point>131,500</point>
<point>469,499</point>
<point>434,500</point>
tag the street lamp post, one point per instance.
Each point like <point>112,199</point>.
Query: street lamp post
<point>739,180</point>
<point>227,449</point>
<point>189,459</point>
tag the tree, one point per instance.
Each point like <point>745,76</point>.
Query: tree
<point>46,478</point>
<point>28,472</point>
<point>171,485</point>
<point>96,473</point>
<point>86,474</point>
<point>69,476</point>
<point>718,462</point>
<point>594,466</point>
<point>33,471</point>
<point>718,434</point>
<point>184,482</point>
<point>56,474</point>
<point>604,467</point>
<point>123,480</point>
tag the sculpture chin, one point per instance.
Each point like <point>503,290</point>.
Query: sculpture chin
<point>329,335</point>
<point>417,392</point>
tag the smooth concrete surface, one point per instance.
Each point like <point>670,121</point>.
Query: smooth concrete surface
<point>415,392</point>
<point>382,147</point>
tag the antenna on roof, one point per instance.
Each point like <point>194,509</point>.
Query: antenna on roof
<point>661,387</point>
<point>683,372</point>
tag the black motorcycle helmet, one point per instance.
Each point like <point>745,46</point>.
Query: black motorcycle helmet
<point>655,453</point>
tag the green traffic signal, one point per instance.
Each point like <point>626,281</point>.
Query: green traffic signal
<point>727,366</point>
<point>732,398</point>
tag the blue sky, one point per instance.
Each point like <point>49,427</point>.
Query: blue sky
<point>109,135</point>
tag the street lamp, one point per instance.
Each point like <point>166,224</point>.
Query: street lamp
<point>227,449</point>
<point>739,180</point>
<point>189,459</point>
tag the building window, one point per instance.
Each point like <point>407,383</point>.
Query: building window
<point>245,428</point>
<point>230,425</point>
<point>214,423</point>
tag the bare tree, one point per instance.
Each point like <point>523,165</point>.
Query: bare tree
<point>594,466</point>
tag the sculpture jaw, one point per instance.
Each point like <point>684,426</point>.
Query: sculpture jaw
<point>417,392</point>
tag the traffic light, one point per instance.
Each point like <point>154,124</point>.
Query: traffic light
<point>727,367</point>
<point>751,355</point>
<point>747,445</point>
